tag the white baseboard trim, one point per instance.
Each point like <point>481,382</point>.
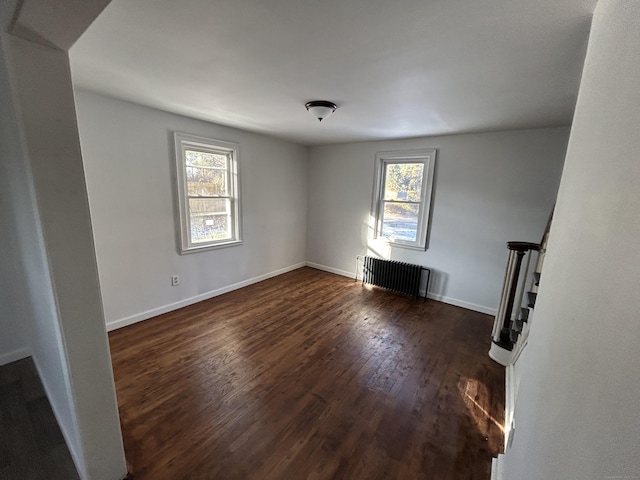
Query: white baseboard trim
<point>75,456</point>
<point>337,271</point>
<point>461,303</point>
<point>130,320</point>
<point>497,465</point>
<point>440,298</point>
<point>509,404</point>
<point>14,356</point>
<point>23,353</point>
<point>154,312</point>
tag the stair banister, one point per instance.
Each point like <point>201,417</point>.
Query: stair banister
<point>517,251</point>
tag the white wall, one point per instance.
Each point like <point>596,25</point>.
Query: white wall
<point>29,320</point>
<point>489,188</point>
<point>47,113</point>
<point>14,195</point>
<point>578,410</point>
<point>55,298</point>
<point>129,163</point>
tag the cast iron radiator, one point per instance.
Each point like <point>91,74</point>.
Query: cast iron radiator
<point>397,276</point>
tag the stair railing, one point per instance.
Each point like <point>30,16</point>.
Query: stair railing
<point>502,325</point>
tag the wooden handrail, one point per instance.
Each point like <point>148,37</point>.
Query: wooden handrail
<point>523,246</point>
<point>517,251</point>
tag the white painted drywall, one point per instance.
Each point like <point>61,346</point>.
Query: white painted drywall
<point>577,415</point>
<point>29,320</point>
<point>489,188</point>
<point>129,163</point>
<point>44,94</point>
<point>13,341</point>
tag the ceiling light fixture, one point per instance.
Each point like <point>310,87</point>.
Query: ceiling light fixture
<point>321,109</point>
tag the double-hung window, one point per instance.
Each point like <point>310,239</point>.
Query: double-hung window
<point>208,192</point>
<point>402,197</point>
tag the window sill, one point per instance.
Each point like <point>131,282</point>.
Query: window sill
<point>204,248</point>
<point>391,244</point>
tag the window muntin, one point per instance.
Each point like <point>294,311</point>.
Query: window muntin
<point>208,192</point>
<point>402,197</point>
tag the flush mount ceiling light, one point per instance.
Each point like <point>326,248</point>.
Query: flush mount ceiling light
<point>321,109</point>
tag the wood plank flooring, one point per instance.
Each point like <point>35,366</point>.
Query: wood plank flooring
<point>309,375</point>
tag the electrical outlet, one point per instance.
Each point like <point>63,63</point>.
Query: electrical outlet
<point>175,280</point>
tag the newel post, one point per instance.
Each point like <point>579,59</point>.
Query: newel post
<point>517,251</point>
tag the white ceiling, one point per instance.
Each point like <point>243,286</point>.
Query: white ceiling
<point>401,68</point>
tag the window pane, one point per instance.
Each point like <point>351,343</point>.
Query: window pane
<point>400,221</point>
<point>206,181</point>
<point>194,158</point>
<point>207,184</point>
<point>403,181</point>
<point>210,219</point>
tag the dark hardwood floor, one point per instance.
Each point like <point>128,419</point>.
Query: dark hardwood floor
<point>310,375</point>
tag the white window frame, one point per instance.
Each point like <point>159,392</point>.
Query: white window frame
<point>183,142</point>
<point>428,158</point>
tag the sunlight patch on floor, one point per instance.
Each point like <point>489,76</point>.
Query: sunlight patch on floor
<point>471,391</point>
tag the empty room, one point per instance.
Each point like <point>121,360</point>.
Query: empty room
<point>319,240</point>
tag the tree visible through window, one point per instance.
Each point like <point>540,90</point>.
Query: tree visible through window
<point>402,197</point>
<point>208,192</point>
